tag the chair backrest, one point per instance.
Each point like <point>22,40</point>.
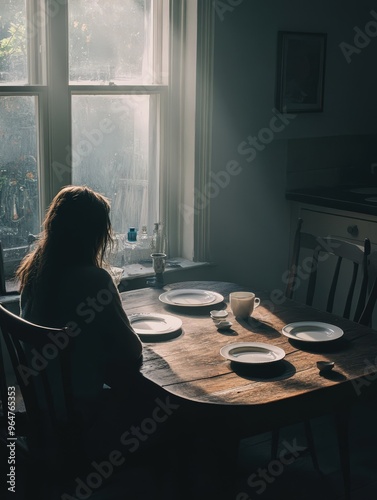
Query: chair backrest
<point>366,315</point>
<point>40,358</point>
<point>344,251</point>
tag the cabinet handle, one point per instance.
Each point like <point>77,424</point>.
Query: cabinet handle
<point>353,230</point>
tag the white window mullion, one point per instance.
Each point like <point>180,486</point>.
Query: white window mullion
<point>44,173</point>
<point>190,127</point>
<point>160,12</point>
<point>36,41</point>
<point>203,145</point>
<point>59,101</point>
<point>171,174</point>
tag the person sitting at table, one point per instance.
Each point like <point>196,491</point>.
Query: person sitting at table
<point>62,283</point>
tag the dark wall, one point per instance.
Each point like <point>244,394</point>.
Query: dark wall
<point>249,215</point>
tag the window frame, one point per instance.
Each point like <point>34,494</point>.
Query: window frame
<point>185,125</point>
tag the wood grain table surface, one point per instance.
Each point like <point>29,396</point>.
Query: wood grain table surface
<point>190,365</point>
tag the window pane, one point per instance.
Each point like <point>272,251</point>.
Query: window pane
<point>19,201</point>
<point>22,42</point>
<point>114,151</point>
<point>13,49</point>
<point>110,41</point>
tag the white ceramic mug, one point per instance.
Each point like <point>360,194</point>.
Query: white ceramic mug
<point>243,303</point>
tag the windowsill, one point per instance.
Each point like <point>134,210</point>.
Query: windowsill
<point>132,272</point>
<point>177,269</point>
<point>140,270</point>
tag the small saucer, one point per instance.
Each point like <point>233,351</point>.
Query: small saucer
<point>218,314</point>
<point>224,325</point>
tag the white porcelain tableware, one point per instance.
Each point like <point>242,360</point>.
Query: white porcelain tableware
<point>218,314</point>
<point>243,303</point>
<point>252,352</point>
<point>312,331</point>
<point>154,323</point>
<point>187,297</point>
<point>223,325</point>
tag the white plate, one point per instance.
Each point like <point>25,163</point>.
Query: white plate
<point>312,331</point>
<point>252,352</point>
<point>191,297</point>
<point>154,323</point>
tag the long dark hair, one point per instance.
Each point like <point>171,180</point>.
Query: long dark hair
<point>76,231</point>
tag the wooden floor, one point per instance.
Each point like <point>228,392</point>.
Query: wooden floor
<point>272,480</point>
<point>260,477</point>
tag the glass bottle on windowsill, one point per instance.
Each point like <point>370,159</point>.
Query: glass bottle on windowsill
<point>144,246</point>
<point>162,239</point>
<point>159,239</point>
<point>130,247</point>
<point>153,246</point>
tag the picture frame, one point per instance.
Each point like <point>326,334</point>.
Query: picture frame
<point>300,71</point>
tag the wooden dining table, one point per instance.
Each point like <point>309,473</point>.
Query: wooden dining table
<point>189,365</point>
<point>255,398</point>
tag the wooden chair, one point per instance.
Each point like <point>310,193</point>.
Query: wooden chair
<point>320,248</point>
<point>342,419</point>
<point>49,450</point>
<point>344,251</point>
<point>366,315</point>
<point>39,359</point>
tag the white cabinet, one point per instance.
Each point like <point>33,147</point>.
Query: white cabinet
<point>345,225</point>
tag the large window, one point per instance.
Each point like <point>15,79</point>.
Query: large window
<point>105,93</point>
<point>83,99</point>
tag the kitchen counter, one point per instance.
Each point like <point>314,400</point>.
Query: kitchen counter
<point>362,199</point>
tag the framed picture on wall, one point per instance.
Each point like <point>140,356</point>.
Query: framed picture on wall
<point>300,71</point>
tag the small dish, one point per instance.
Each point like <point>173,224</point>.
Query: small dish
<point>325,366</point>
<point>223,325</point>
<point>312,331</point>
<point>218,314</point>
<point>252,352</point>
